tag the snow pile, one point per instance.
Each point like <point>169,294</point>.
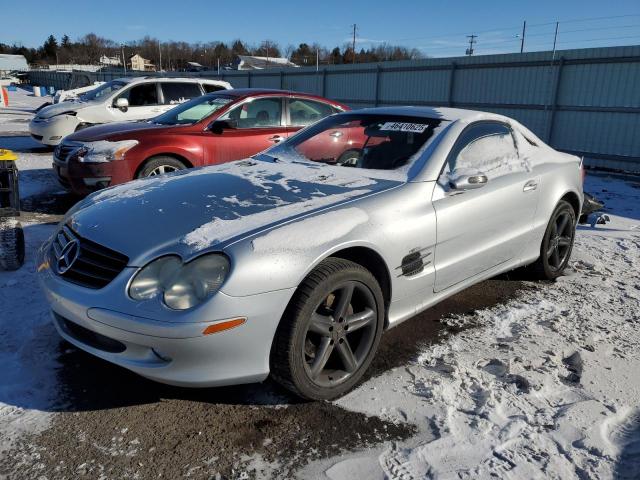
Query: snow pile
<point>543,387</point>
<point>28,348</point>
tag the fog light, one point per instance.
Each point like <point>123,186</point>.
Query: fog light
<point>99,182</point>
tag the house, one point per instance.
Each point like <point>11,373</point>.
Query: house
<point>12,62</point>
<point>110,61</point>
<point>249,62</point>
<point>136,62</point>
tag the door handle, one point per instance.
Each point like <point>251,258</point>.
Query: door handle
<point>530,186</point>
<point>276,139</point>
<point>336,134</point>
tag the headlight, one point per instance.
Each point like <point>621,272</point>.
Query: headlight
<point>182,286</point>
<point>104,151</point>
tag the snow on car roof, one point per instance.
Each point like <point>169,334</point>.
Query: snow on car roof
<point>444,113</point>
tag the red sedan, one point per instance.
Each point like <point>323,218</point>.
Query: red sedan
<point>215,128</point>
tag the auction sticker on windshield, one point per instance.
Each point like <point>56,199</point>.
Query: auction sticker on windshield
<point>404,127</point>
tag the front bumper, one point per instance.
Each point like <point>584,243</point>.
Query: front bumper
<point>51,131</point>
<point>85,178</point>
<point>173,352</point>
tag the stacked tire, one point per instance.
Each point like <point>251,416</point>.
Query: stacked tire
<point>11,244</point>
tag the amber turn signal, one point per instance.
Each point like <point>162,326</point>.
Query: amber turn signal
<point>222,326</point>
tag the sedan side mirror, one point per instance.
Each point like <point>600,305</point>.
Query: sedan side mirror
<point>468,181</point>
<point>219,126</point>
<point>121,104</point>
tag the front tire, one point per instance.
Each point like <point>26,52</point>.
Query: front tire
<point>160,166</point>
<point>330,331</point>
<point>557,243</point>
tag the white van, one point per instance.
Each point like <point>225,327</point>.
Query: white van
<point>121,100</point>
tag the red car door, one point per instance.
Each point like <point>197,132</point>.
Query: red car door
<point>255,125</point>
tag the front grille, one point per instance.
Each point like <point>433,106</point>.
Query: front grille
<point>94,267</point>
<point>65,150</point>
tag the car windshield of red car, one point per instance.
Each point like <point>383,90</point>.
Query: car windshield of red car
<point>192,111</point>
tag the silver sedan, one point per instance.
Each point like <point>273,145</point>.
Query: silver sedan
<point>294,262</point>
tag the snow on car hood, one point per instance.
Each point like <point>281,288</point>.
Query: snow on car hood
<point>60,108</point>
<point>199,209</point>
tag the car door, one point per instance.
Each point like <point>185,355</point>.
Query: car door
<point>482,224</point>
<point>253,126</point>
<point>175,93</point>
<point>144,103</point>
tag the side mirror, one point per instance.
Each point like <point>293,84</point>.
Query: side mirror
<point>121,104</point>
<point>219,126</point>
<point>468,181</point>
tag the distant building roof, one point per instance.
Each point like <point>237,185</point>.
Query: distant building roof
<point>13,62</point>
<point>249,62</point>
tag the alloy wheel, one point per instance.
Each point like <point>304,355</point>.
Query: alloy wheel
<point>162,169</point>
<point>340,334</point>
<point>560,240</point>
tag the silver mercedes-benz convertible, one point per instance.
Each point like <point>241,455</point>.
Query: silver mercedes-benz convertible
<point>293,263</point>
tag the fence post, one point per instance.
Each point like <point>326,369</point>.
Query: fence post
<point>324,82</point>
<point>248,78</point>
<point>554,102</point>
<point>281,80</point>
<point>377,86</point>
<point>452,79</point>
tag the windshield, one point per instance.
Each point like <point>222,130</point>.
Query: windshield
<point>192,111</point>
<point>102,91</point>
<point>381,142</point>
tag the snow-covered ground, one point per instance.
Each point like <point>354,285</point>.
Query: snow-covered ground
<point>545,386</point>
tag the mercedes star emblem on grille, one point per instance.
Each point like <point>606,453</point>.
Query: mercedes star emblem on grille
<point>68,256</point>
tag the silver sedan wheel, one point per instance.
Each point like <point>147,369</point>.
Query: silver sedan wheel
<point>340,334</point>
<point>161,170</point>
<point>560,240</point>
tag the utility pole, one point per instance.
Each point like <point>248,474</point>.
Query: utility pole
<point>555,38</point>
<point>124,60</point>
<point>472,40</point>
<point>218,66</point>
<point>353,45</point>
<point>160,61</point>
<point>317,59</point>
<point>524,30</point>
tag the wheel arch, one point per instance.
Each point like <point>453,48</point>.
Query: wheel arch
<point>177,156</point>
<point>574,200</point>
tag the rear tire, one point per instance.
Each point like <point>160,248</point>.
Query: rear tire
<point>349,158</point>
<point>330,331</point>
<point>160,166</point>
<point>557,244</point>
<point>11,244</point>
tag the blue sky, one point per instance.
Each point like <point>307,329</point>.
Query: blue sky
<point>437,28</point>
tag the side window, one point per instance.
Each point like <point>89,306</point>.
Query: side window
<point>259,113</point>
<point>209,88</point>
<point>305,112</point>
<point>488,148</point>
<point>178,92</point>
<point>142,95</point>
